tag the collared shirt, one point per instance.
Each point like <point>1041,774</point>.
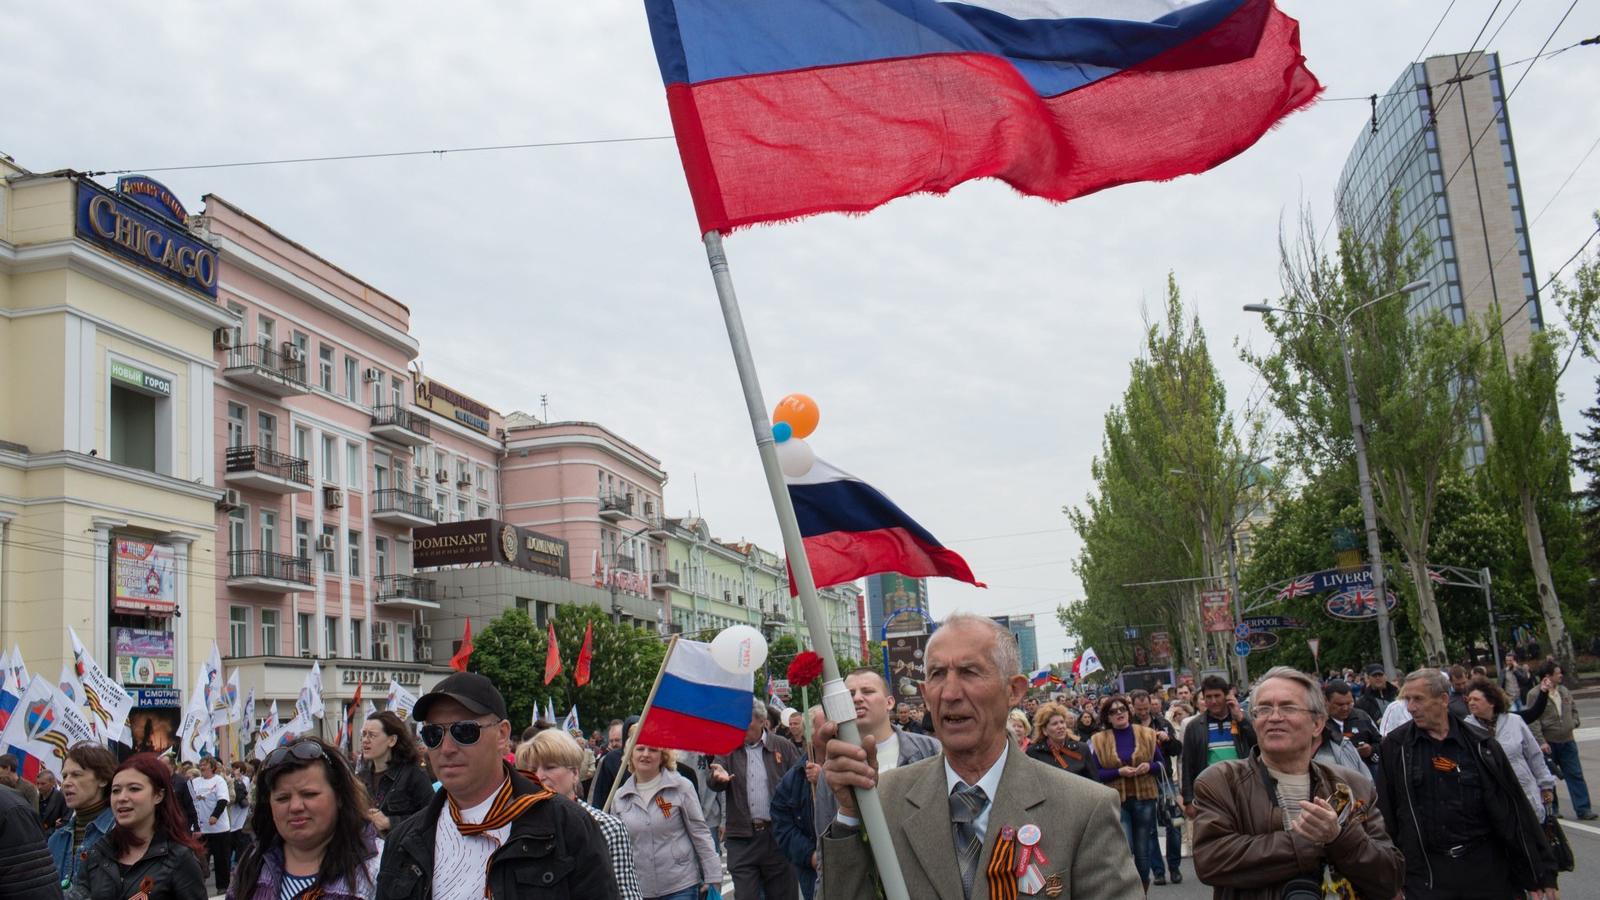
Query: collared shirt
<point>756,789</point>
<point>461,861</point>
<point>990,783</point>
<point>1451,790</point>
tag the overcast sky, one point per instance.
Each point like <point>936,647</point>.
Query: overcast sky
<point>963,350</point>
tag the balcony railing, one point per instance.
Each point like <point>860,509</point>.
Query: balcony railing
<point>262,357</point>
<point>266,564</point>
<point>390,416</point>
<point>626,563</point>
<point>407,587</point>
<point>667,577</point>
<point>267,461</point>
<point>397,501</point>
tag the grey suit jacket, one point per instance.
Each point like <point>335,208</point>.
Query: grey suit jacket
<point>913,748</point>
<point>1080,821</point>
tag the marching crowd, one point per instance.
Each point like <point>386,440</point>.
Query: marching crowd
<point>1440,786</point>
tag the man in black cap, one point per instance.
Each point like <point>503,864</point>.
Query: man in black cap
<point>1377,694</point>
<point>503,835</point>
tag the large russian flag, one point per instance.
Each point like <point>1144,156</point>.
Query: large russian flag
<point>851,529</point>
<point>698,705</point>
<point>786,108</point>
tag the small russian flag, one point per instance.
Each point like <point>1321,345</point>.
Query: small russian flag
<point>699,705</point>
<point>1040,678</point>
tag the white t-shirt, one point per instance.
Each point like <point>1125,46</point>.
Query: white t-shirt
<point>207,791</point>
<point>889,752</point>
<point>460,861</point>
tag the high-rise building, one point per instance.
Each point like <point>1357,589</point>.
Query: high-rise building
<point>1440,138</point>
<point>891,591</point>
<point>1027,641</point>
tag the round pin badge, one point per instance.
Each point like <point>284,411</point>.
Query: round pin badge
<point>1028,835</point>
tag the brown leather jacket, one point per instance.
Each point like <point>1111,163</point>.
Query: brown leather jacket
<point>1243,851</point>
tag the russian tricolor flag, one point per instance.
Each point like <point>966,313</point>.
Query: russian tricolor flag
<point>851,529</point>
<point>787,108</point>
<point>698,705</point>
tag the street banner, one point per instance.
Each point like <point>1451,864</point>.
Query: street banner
<point>1355,603</point>
<point>107,701</point>
<point>1216,611</point>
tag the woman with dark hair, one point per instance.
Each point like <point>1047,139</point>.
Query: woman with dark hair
<point>313,839</point>
<point>1086,724</point>
<point>150,851</point>
<point>396,784</point>
<point>86,786</point>
<point>1489,706</point>
<point>1126,757</point>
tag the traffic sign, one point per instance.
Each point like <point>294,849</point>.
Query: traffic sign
<point>1242,648</point>
<point>1242,630</point>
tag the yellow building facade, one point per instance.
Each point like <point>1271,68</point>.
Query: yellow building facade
<point>107,464</point>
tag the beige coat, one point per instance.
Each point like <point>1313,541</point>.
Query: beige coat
<point>1080,823</point>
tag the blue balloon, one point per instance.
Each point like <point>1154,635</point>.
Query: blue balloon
<point>782,431</point>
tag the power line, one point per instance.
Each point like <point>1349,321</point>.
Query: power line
<point>538,145</point>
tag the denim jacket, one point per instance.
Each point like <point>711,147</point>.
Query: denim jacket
<point>61,849</point>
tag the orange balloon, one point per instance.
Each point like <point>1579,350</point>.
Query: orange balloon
<point>800,412</point>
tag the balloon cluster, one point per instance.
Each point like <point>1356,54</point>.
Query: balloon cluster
<point>792,422</point>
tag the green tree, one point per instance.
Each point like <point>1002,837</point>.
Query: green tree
<point>1409,370</point>
<point>1587,458</point>
<point>1527,454</point>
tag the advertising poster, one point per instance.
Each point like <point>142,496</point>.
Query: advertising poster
<point>1160,645</point>
<point>143,577</point>
<point>143,657</point>
<point>1216,611</point>
<point>907,666</point>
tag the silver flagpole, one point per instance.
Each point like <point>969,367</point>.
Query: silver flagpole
<point>836,701</point>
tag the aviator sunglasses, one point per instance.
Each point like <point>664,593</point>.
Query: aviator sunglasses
<point>303,750</point>
<point>464,733</point>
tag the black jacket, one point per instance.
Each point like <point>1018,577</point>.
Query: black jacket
<point>26,872</point>
<point>1076,754</point>
<point>400,792</point>
<point>173,872</point>
<point>1195,748</point>
<point>53,811</point>
<point>1372,703</point>
<point>1515,826</point>
<point>180,789</point>
<point>1172,748</point>
<point>555,852</point>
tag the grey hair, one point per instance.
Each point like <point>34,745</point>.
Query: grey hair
<point>1007,656</point>
<point>1438,683</point>
<point>758,707</point>
<point>1315,701</point>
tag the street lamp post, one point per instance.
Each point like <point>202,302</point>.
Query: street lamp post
<point>1369,509</point>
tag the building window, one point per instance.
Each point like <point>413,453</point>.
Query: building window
<point>380,556</point>
<point>405,651</point>
<point>325,366</point>
<point>303,344</point>
<point>380,470</point>
<point>237,540</point>
<point>396,390</point>
<point>269,531</point>
<point>135,420</point>
<point>302,634</point>
<point>302,538</point>
<point>483,510</point>
<point>330,558</point>
<point>267,430</point>
<point>302,443</point>
<point>483,478</point>
<point>352,379</point>
<point>266,331</point>
<point>357,627</point>
<point>236,425</point>
<point>441,503</point>
<point>352,465</point>
<point>238,631</point>
<point>461,509</point>
<point>269,632</point>
<point>355,554</point>
<point>330,634</point>
<point>330,459</point>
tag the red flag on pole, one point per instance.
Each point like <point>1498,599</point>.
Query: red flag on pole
<point>459,661</point>
<point>552,658</point>
<point>585,656</point>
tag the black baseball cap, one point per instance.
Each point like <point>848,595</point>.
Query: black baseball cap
<point>1375,669</point>
<point>477,693</point>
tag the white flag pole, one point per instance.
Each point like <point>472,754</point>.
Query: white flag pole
<point>836,702</point>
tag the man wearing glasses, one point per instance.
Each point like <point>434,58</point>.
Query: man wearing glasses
<point>490,832</point>
<point>1276,820</point>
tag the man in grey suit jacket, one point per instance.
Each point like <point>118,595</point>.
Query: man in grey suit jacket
<point>947,813</point>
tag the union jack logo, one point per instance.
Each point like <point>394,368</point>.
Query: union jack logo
<point>1297,588</point>
<point>1435,577</point>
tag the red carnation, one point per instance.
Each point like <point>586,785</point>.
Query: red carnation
<point>805,669</point>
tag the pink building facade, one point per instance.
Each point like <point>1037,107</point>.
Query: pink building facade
<point>328,463</point>
<point>582,482</point>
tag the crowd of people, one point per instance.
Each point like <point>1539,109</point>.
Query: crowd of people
<point>1441,785</point>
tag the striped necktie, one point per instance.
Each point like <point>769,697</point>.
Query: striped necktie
<point>966,803</point>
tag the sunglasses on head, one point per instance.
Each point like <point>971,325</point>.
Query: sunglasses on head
<point>464,733</point>
<point>304,750</point>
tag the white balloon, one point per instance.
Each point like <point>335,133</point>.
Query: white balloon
<point>740,649</point>
<point>795,457</point>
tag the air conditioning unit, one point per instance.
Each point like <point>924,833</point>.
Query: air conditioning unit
<point>230,500</point>
<point>425,632</point>
<point>423,473</point>
<point>293,353</point>
<point>649,509</point>
<point>727,596</point>
<point>227,338</point>
<point>332,498</point>
<point>441,476</point>
<point>372,373</point>
<point>305,654</point>
<point>425,653</point>
<point>325,543</point>
<point>464,480</point>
